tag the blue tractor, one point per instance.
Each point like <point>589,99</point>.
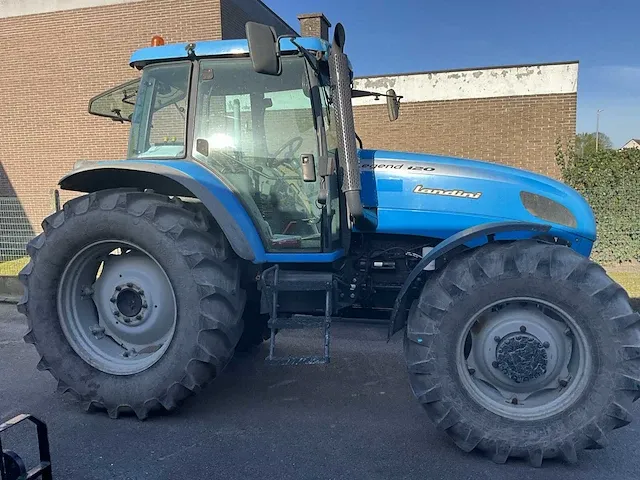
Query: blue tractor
<point>245,207</point>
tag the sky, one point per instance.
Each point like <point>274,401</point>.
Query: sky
<point>412,35</point>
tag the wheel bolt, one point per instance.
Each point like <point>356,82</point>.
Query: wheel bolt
<point>125,354</point>
<point>112,299</point>
<point>563,382</point>
<point>495,364</point>
<point>129,284</point>
<point>546,344</point>
<point>127,320</point>
<point>568,332</point>
<point>144,305</point>
<point>138,317</point>
<point>141,292</point>
<point>523,329</point>
<point>118,288</point>
<point>497,338</point>
<point>472,371</point>
<point>514,401</point>
<point>117,314</point>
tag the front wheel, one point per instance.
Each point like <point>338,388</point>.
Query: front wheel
<point>132,300</point>
<point>524,350</point>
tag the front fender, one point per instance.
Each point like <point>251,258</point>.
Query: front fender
<point>179,178</point>
<point>464,237</point>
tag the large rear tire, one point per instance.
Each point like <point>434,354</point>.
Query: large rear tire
<point>524,350</point>
<point>133,301</point>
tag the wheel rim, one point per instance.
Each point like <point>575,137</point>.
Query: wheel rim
<point>117,307</point>
<point>524,358</point>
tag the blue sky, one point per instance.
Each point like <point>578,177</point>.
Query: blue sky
<point>413,35</point>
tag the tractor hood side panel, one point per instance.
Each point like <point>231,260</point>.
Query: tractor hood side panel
<point>437,196</point>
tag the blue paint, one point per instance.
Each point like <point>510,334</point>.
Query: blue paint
<point>304,257</point>
<point>410,213</point>
<point>213,48</point>
<point>389,185</point>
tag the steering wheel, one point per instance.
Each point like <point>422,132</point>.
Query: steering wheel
<point>291,147</point>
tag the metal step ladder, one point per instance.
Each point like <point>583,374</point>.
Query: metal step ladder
<point>276,281</point>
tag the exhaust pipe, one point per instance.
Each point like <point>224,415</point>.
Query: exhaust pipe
<point>343,116</point>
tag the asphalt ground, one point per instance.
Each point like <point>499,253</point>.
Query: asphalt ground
<point>355,418</point>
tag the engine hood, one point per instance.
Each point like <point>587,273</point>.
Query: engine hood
<point>436,195</point>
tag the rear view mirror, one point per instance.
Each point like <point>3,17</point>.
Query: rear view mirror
<point>393,105</point>
<point>263,48</point>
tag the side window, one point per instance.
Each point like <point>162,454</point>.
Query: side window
<point>159,124</point>
<point>116,103</point>
<point>166,127</point>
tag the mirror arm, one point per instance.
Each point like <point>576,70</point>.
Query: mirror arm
<point>306,53</point>
<point>365,93</point>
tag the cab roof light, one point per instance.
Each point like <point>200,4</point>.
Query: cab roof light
<point>157,41</point>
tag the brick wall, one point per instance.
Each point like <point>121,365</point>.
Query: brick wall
<point>520,131</point>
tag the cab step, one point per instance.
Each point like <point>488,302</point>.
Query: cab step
<point>294,361</point>
<point>273,281</point>
<point>297,321</point>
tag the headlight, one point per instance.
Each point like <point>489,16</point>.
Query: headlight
<point>547,209</point>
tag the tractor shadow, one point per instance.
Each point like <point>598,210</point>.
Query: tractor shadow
<point>635,304</point>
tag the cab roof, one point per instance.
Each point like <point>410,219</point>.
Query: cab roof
<point>215,48</point>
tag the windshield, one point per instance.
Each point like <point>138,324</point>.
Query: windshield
<point>252,130</point>
<point>158,126</point>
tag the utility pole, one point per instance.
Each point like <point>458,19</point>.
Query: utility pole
<point>598,127</point>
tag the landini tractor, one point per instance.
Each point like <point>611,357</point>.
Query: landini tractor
<point>245,207</point>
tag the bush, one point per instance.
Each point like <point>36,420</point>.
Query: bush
<point>610,181</point>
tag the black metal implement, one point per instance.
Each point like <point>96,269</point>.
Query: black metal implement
<point>274,280</point>
<point>11,465</point>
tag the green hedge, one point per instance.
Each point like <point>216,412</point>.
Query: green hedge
<point>610,181</point>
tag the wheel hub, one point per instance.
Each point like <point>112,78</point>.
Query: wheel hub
<point>521,357</point>
<point>129,304</point>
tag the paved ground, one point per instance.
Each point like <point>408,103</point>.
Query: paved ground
<point>355,418</point>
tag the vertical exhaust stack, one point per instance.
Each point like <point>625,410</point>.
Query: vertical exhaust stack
<point>343,112</point>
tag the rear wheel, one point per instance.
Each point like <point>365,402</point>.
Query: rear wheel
<point>132,301</point>
<point>524,350</point>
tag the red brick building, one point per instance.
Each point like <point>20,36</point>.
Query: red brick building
<point>58,54</point>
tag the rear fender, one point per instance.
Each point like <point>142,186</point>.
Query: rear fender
<point>176,178</point>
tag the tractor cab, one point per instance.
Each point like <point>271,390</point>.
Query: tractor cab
<point>270,136</point>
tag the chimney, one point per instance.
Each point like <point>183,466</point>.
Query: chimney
<point>314,25</point>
